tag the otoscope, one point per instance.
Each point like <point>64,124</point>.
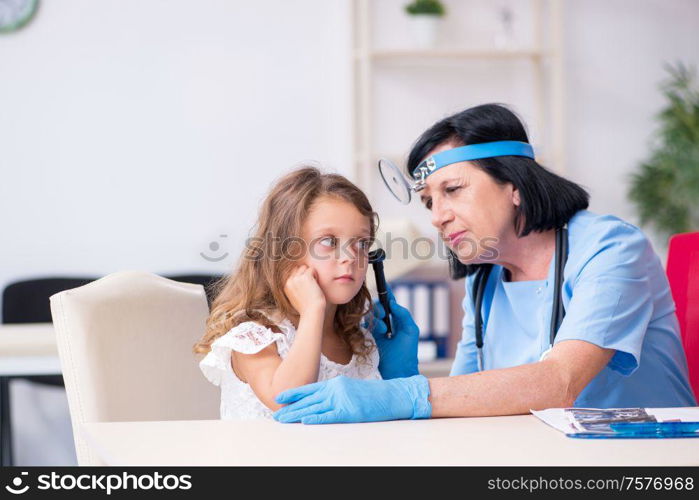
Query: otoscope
<point>376,258</point>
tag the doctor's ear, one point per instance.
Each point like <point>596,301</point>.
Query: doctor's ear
<point>515,196</point>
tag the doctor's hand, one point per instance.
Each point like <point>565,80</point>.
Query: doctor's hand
<point>347,400</point>
<point>398,355</point>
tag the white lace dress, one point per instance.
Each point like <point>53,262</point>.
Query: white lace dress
<point>238,401</point>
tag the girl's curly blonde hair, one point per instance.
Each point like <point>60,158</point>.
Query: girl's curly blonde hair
<point>255,290</point>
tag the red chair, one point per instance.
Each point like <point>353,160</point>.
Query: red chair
<point>683,274</point>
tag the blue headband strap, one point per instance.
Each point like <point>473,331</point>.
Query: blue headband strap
<point>472,152</point>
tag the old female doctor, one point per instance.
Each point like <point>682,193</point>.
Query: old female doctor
<point>563,307</point>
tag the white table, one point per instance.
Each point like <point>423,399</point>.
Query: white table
<point>28,349</point>
<point>514,440</point>
<point>25,349</point>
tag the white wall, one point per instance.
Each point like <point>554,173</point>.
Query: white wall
<point>133,133</point>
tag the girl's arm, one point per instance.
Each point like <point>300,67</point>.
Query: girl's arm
<point>266,372</point>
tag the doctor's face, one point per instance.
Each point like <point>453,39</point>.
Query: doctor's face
<point>473,214</point>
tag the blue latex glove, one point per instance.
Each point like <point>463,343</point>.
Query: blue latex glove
<point>398,355</point>
<point>345,400</point>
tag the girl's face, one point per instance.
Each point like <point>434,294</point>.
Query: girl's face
<point>338,239</point>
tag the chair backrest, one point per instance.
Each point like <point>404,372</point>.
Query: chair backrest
<point>683,274</point>
<point>125,344</point>
<point>208,281</point>
<point>27,301</point>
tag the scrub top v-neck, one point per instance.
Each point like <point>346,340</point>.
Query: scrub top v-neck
<point>616,296</point>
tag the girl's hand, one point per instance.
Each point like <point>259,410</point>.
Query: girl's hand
<point>303,291</point>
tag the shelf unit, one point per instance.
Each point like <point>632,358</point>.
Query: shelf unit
<point>545,56</point>
<point>386,54</point>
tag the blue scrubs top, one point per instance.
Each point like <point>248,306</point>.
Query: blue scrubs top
<point>616,296</point>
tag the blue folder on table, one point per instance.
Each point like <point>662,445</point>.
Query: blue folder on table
<point>644,430</point>
<point>623,423</point>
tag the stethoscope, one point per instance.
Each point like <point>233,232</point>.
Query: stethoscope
<point>402,189</point>
<point>557,310</point>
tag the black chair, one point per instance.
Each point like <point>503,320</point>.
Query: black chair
<point>208,281</point>
<point>28,302</point>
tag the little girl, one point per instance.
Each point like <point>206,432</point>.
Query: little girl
<point>290,313</point>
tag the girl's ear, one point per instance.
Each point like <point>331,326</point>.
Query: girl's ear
<point>515,197</point>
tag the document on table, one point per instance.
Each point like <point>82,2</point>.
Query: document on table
<point>616,422</point>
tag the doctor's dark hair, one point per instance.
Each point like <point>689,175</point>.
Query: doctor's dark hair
<point>548,201</point>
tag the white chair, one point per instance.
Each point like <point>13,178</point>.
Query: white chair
<point>125,345</point>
